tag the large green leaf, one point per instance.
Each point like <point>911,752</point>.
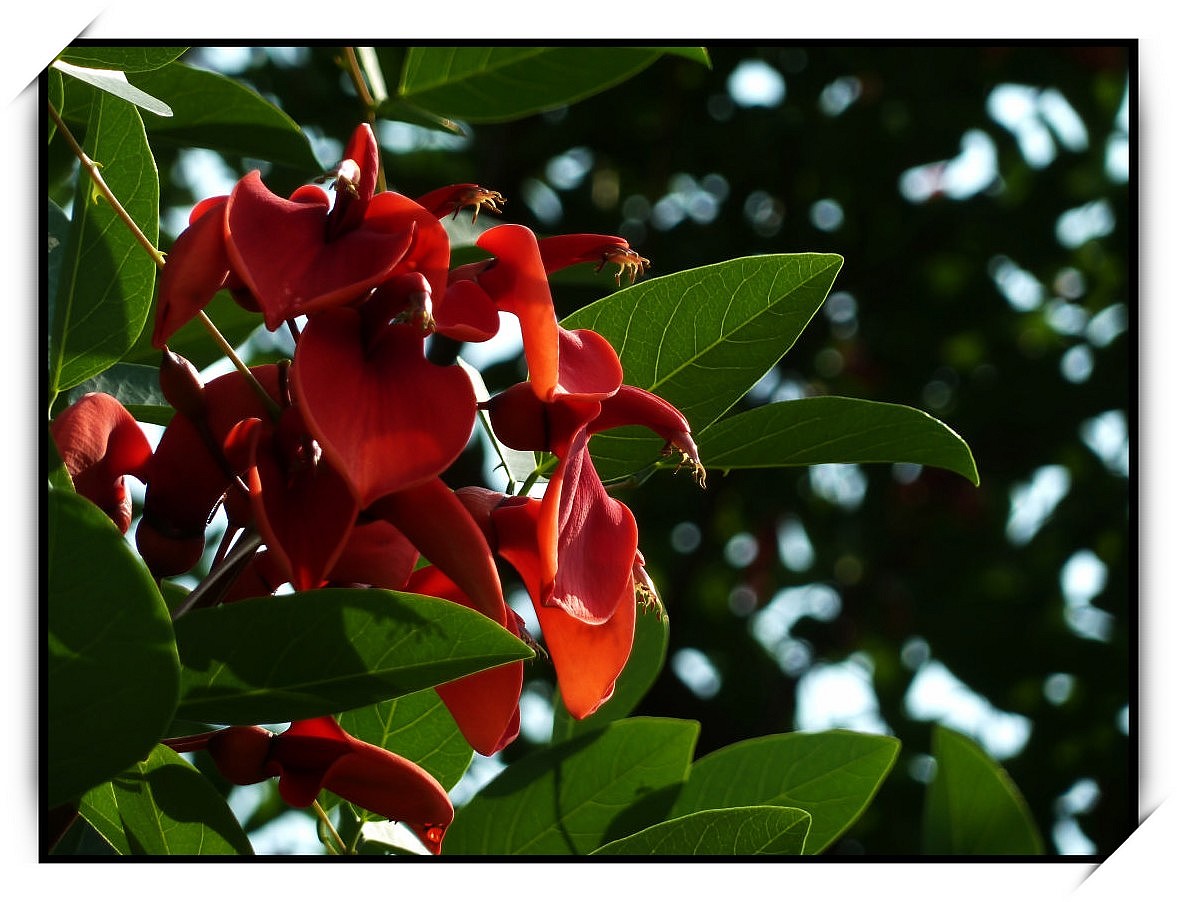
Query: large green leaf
<point>164,806</point>
<point>210,110</point>
<point>128,59</point>
<point>833,430</point>
<point>570,798</point>
<point>111,666</point>
<point>135,385</point>
<point>972,806</point>
<point>417,726</point>
<point>105,284</point>
<point>832,775</point>
<point>651,635</point>
<point>497,84</point>
<point>754,830</point>
<point>290,657</point>
<point>703,337</point>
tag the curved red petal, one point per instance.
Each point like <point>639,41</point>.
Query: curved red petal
<point>279,249</point>
<point>518,284</point>
<point>195,269</point>
<point>466,313</point>
<point>99,442</point>
<point>376,554</point>
<point>405,419</point>
<point>588,658</point>
<point>589,367</point>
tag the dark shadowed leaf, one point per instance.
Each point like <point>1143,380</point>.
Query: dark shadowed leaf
<point>104,287</point>
<point>129,59</point>
<point>833,430</point>
<point>832,775</point>
<point>972,806</point>
<point>291,657</point>
<point>754,830</point>
<point>114,82</point>
<point>497,84</point>
<point>136,386</point>
<point>567,799</point>
<point>212,111</point>
<point>164,806</point>
<point>111,665</point>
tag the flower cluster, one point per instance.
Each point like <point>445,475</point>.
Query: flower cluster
<point>335,458</point>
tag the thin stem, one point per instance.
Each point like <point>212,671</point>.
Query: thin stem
<point>92,169</point>
<point>356,72</point>
<point>95,176</point>
<point>213,586</point>
<point>339,846</point>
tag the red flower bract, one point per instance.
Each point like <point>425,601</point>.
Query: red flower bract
<point>99,442</point>
<point>317,754</point>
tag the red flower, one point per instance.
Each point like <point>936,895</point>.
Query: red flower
<point>313,755</point>
<point>99,443</point>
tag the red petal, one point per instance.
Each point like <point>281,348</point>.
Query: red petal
<point>588,658</point>
<point>196,268</point>
<point>485,705</point>
<point>99,442</point>
<point>303,509</point>
<point>466,313</point>
<point>388,418</point>
<point>589,367</point>
<point>434,519</point>
<point>595,536</point>
<point>518,284</point>
<point>376,554</point>
<point>631,406</point>
<point>279,249</point>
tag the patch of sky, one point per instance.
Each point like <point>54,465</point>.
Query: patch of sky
<point>1039,119</point>
<point>1082,578</point>
<point>536,713</point>
<point>685,537</point>
<point>936,694</point>
<point>839,95</point>
<point>793,545</point>
<point>843,485</point>
<point>772,625</point>
<point>1058,687</point>
<point>481,771</point>
<point>697,672</point>
<point>826,215</point>
<point>1118,150</point>
<point>741,550</point>
<point>1077,226</point>
<point>1081,798</point>
<point>404,137</point>
<point>764,212</point>
<point>1032,502</point>
<point>542,201</point>
<point>755,83</point>
<point>841,309</point>
<point>1077,363</point>
<point>839,696</point>
<point>1107,325</point>
<point>1106,434</point>
<point>567,171</point>
<point>970,172</point>
<point>689,198</point>
<point>1020,288</point>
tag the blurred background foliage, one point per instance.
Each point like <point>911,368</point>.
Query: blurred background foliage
<point>981,198</point>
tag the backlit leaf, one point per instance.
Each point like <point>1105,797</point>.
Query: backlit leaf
<point>754,830</point>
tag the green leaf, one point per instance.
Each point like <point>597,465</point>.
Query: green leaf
<point>651,635</point>
<point>702,338</point>
<point>291,657</point>
<point>58,227</point>
<point>114,82</point>
<point>972,806</point>
<point>106,279</point>
<point>56,96</point>
<point>832,775</point>
<point>112,670</point>
<point>210,110</point>
<point>417,726</point>
<point>164,806</point>
<point>136,386</point>
<point>833,430</point>
<point>570,798</point>
<point>193,341</point>
<point>753,830</point>
<point>695,54</point>
<point>498,84</point>
<point>129,59</point>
